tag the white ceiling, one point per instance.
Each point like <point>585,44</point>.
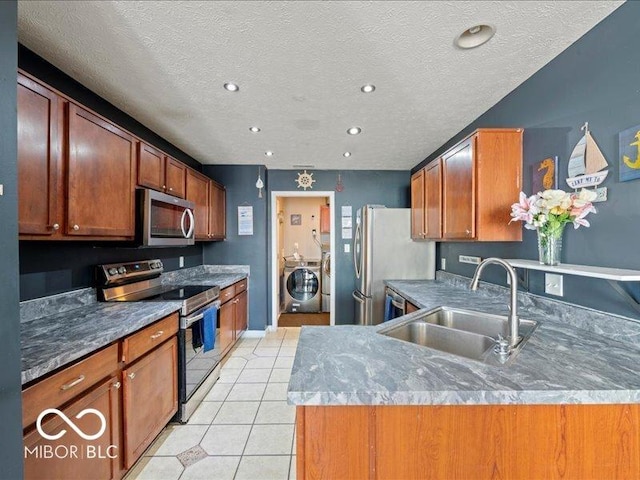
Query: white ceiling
<point>300,66</point>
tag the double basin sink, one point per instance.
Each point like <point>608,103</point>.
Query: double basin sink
<point>465,333</point>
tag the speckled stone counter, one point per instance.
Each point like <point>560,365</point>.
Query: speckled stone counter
<point>561,363</point>
<point>59,329</point>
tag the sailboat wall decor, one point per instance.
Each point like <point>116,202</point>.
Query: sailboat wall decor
<point>586,162</point>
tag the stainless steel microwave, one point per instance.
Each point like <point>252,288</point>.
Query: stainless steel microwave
<point>164,220</point>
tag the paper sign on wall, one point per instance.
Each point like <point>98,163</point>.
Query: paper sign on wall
<point>245,220</point>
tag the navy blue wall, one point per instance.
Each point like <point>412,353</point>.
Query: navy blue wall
<point>47,268</point>
<point>10,410</point>
<point>597,79</point>
<point>390,188</point>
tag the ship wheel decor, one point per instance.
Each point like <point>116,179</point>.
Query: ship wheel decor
<point>305,180</point>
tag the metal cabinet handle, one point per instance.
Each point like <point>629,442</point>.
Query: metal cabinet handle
<point>159,333</point>
<point>56,226</point>
<point>170,189</point>
<point>132,375</point>
<point>164,187</point>
<point>116,385</point>
<point>468,232</point>
<point>72,384</point>
<point>76,227</point>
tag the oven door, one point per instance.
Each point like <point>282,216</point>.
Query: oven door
<point>198,370</point>
<point>164,220</point>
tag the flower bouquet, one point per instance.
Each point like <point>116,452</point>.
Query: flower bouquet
<point>548,212</point>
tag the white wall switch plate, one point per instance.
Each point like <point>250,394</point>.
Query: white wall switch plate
<point>181,262</point>
<point>347,248</point>
<point>602,195</point>
<point>443,264</point>
<point>1,190</point>
<point>553,284</point>
<point>469,259</point>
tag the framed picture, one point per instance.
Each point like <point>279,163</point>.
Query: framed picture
<point>296,219</point>
<point>629,154</point>
<point>544,175</point>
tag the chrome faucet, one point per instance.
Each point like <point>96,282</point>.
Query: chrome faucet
<point>514,322</point>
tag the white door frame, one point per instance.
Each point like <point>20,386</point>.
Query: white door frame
<point>275,278</point>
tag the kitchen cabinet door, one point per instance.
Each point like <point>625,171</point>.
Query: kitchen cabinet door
<point>325,219</point>
<point>150,392</point>
<point>198,193</point>
<point>240,314</point>
<point>176,177</point>
<point>433,200</point>
<point>227,325</point>
<point>459,191</point>
<point>417,205</point>
<point>151,167</point>
<point>96,459</point>
<point>39,150</point>
<point>101,167</point>
<point>217,214</point>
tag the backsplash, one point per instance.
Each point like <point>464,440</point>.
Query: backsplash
<point>617,327</point>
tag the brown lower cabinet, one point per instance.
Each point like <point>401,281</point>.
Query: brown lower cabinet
<point>233,314</point>
<point>131,384</point>
<point>152,377</point>
<point>469,442</point>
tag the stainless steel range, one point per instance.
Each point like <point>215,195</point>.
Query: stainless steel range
<point>140,282</point>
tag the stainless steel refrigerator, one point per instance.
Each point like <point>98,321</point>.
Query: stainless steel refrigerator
<point>383,250</point>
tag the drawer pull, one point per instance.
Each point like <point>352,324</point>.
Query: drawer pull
<point>116,385</point>
<point>69,385</point>
<point>158,334</point>
<point>132,375</point>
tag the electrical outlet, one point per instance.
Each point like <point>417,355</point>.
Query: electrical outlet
<point>469,259</point>
<point>443,264</point>
<point>553,284</point>
<point>181,262</point>
<point>347,248</point>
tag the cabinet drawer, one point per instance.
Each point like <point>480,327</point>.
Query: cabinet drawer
<point>65,385</point>
<point>241,286</point>
<point>148,338</point>
<point>227,294</point>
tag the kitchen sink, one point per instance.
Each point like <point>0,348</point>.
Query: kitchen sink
<point>465,333</point>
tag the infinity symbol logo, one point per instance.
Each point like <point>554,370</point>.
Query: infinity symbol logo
<point>71,424</point>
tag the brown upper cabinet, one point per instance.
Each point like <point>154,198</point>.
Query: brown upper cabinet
<point>101,171</point>
<point>160,172</point>
<point>426,202</point>
<point>198,193</point>
<point>217,215</point>
<point>467,193</point>
<point>39,159</point>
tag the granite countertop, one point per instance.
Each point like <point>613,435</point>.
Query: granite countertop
<point>561,363</point>
<point>67,327</point>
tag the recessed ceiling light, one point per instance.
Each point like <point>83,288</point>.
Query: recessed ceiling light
<point>269,153</point>
<point>354,130</point>
<point>368,88</point>
<point>254,129</point>
<point>232,87</point>
<point>475,36</point>
<point>346,154</point>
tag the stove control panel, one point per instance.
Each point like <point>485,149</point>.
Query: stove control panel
<point>116,273</point>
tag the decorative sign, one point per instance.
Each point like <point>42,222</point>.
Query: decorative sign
<point>296,219</point>
<point>544,175</point>
<point>629,154</point>
<point>245,220</point>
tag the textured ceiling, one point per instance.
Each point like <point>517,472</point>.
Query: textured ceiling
<point>300,66</point>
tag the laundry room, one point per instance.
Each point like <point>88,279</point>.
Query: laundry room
<point>304,253</point>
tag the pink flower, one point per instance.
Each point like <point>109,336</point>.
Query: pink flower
<point>524,210</point>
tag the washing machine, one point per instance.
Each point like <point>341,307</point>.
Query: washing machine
<point>302,292</point>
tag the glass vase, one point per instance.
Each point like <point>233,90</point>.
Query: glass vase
<point>550,246</point>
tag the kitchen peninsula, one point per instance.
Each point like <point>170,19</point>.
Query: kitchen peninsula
<point>566,407</point>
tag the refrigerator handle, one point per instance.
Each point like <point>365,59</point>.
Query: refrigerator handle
<point>356,245</point>
<point>355,295</point>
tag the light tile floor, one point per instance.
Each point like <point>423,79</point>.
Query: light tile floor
<point>243,429</point>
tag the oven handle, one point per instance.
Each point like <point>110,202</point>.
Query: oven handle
<point>186,322</point>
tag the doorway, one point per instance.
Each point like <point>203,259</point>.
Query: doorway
<point>302,260</point>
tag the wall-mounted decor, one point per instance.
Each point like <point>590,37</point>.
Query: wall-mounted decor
<point>245,220</point>
<point>629,154</point>
<point>544,175</point>
<point>305,180</point>
<point>586,162</point>
<point>296,219</point>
